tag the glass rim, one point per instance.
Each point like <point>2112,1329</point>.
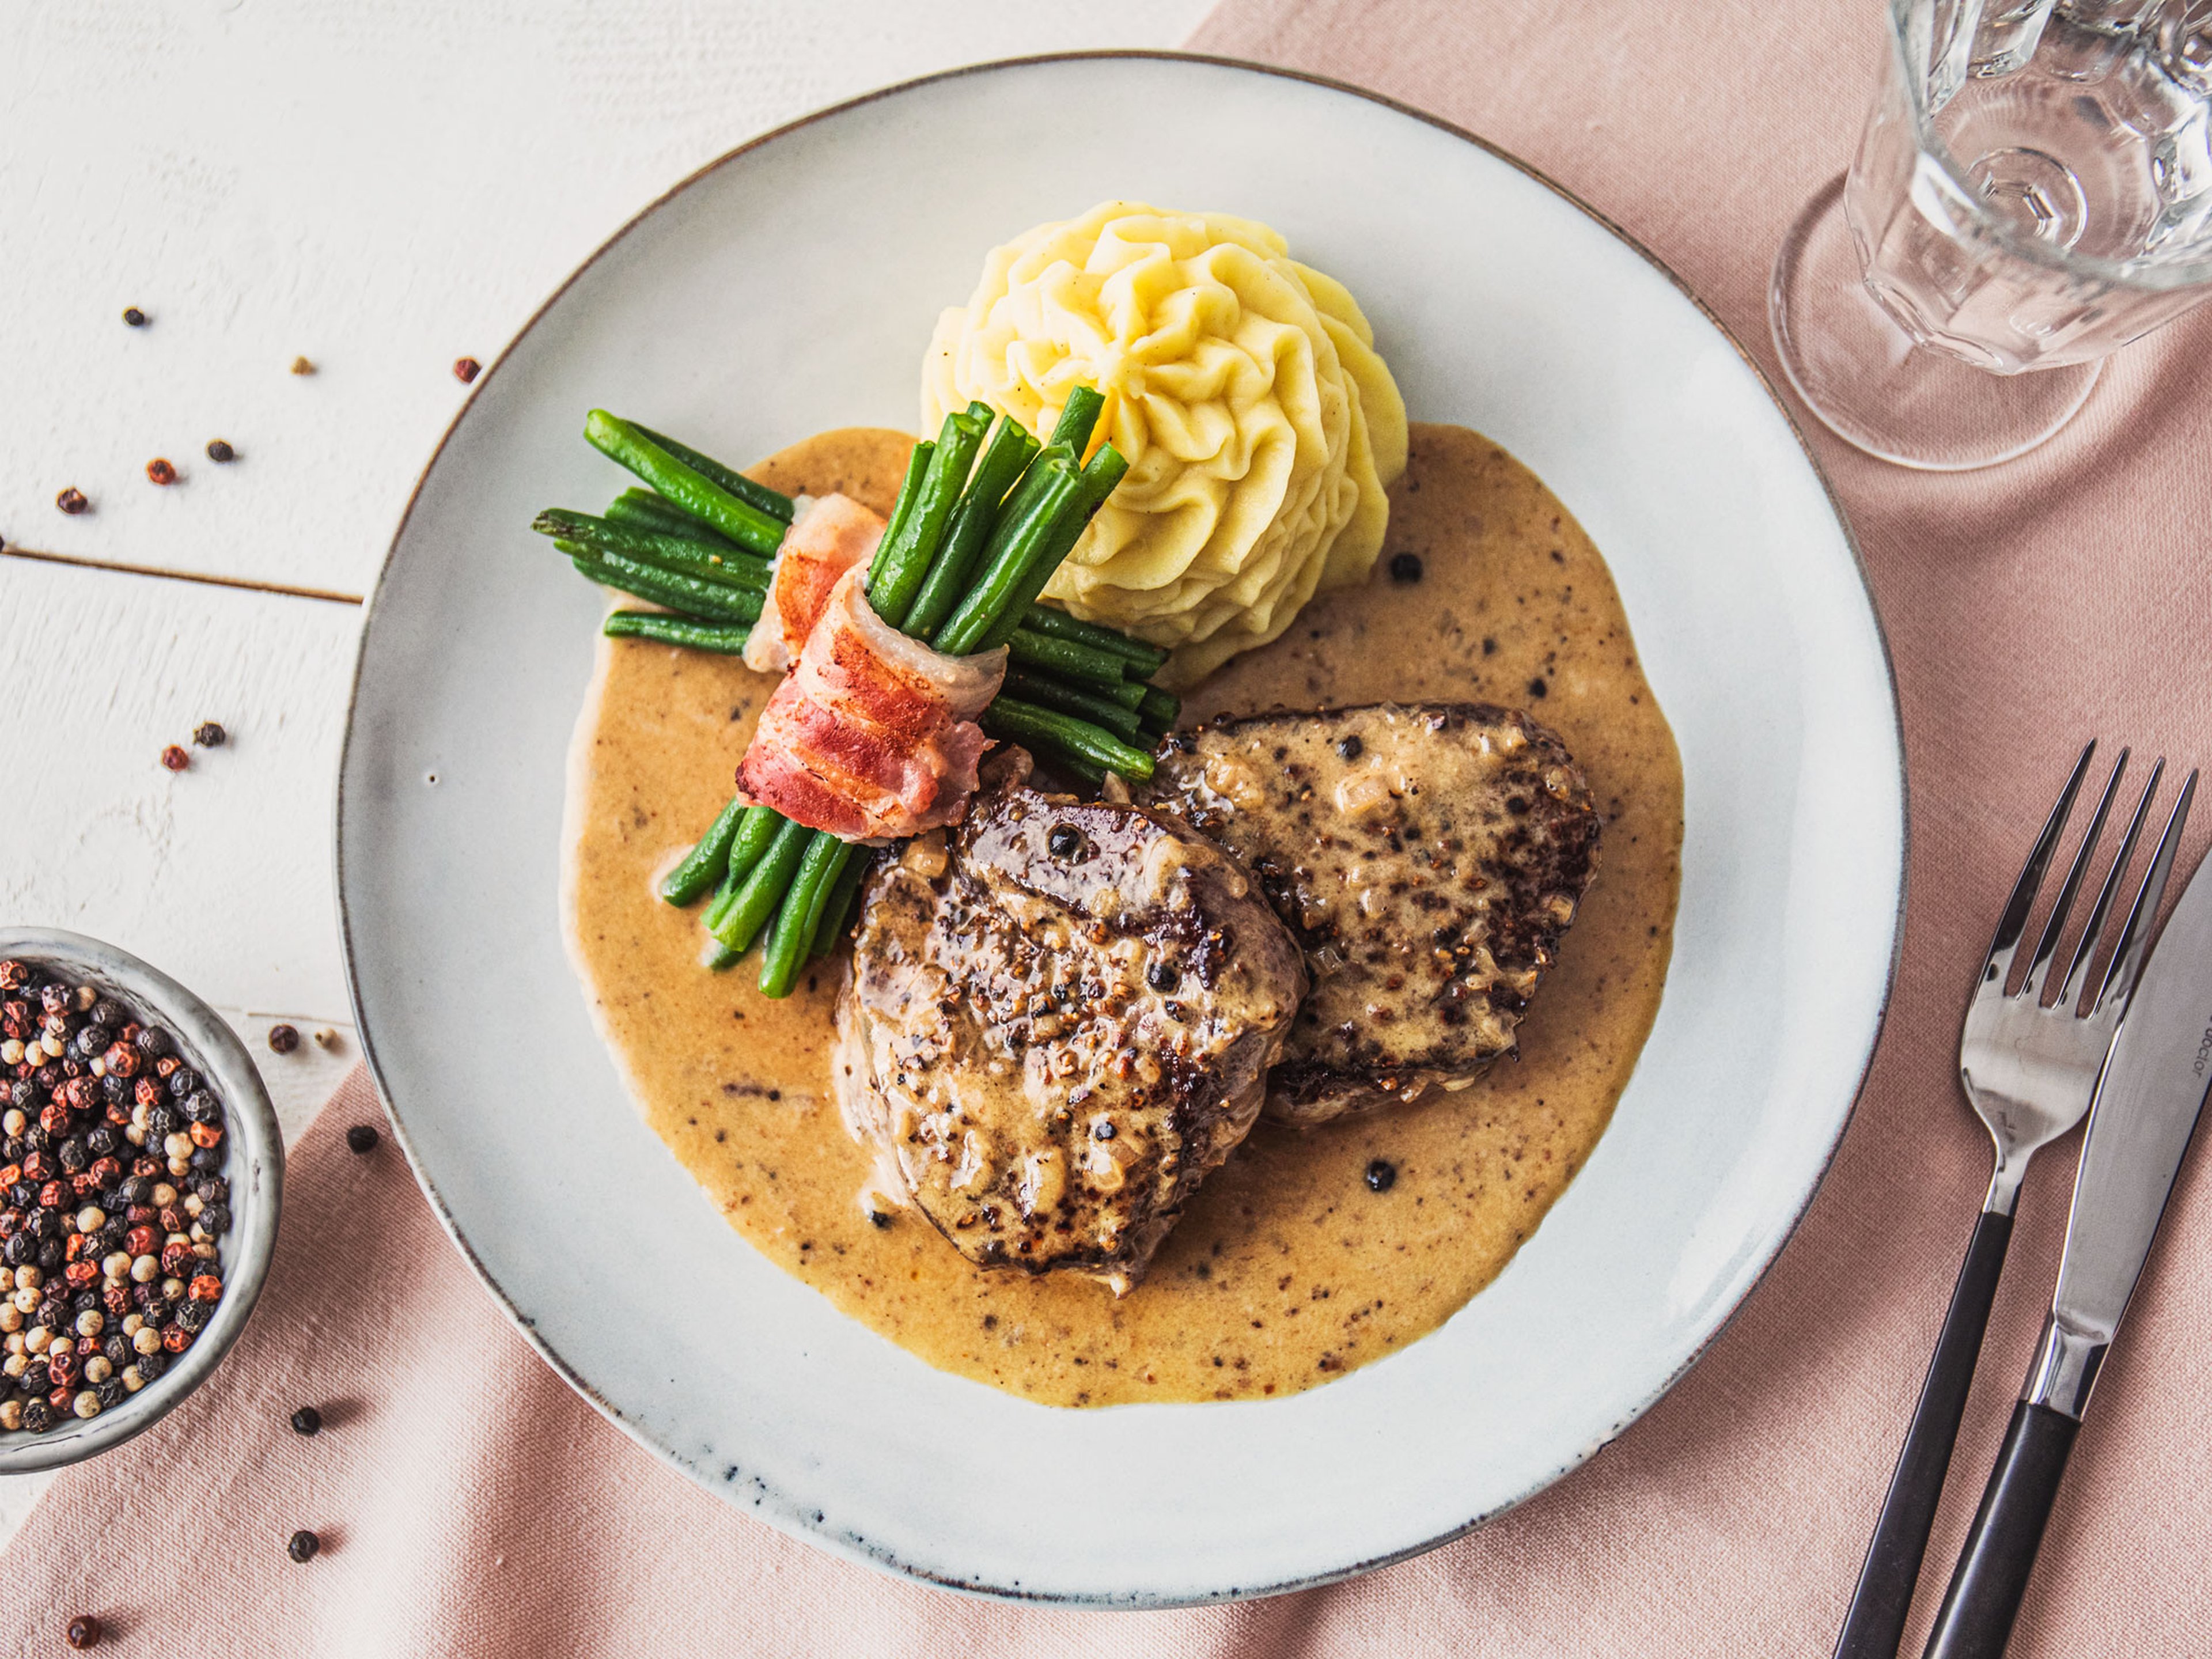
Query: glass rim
<point>1928,144</point>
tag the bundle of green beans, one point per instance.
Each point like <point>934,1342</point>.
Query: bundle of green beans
<point>984,518</point>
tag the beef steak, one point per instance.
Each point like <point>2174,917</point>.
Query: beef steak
<point>1428,857</point>
<point>1057,1024</point>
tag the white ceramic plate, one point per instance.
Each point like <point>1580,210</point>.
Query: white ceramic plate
<point>792,287</point>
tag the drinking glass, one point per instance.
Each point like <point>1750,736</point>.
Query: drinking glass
<point>2033,190</point>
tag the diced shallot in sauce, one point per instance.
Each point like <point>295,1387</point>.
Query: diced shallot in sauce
<point>871,736</point>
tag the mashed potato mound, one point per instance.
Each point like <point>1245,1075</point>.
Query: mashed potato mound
<point>1262,429</point>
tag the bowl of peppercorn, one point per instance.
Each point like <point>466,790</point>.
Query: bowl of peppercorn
<point>141,1169</point>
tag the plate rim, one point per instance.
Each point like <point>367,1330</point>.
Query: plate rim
<point>784,1512</point>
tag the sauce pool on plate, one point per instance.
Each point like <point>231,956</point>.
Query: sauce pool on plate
<point>1310,1252</point>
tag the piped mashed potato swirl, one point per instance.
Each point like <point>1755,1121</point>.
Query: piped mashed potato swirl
<point>1262,429</point>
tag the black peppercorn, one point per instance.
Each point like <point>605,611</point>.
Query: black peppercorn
<point>208,735</point>
<point>206,1158</point>
<point>1537,688</point>
<point>1163,976</point>
<point>1382,1175</point>
<point>182,1082</point>
<point>203,1108</point>
<point>302,1545</point>
<point>215,1190</point>
<point>1405,567</point>
<point>1065,841</point>
<point>102,1142</point>
<point>1103,1130</point>
<point>215,1217</point>
<point>307,1420</point>
<point>151,1365</point>
<point>219,452</point>
<point>1349,748</point>
<point>192,1316</point>
<point>84,1631</point>
<point>362,1138</point>
<point>282,1039</point>
<point>161,1122</point>
<point>73,1155</point>
<point>38,1415</point>
<point>115,1089</point>
<point>117,1350</point>
<point>879,1220</point>
<point>154,1042</point>
<point>72,500</point>
<point>135,317</point>
<point>37,1378</point>
<point>20,1249</point>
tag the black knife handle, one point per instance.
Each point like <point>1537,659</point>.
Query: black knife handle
<point>1875,1624</point>
<point>1976,1620</point>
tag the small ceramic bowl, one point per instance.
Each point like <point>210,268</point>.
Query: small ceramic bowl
<point>254,1166</point>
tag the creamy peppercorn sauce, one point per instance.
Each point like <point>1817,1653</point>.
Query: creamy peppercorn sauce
<point>1288,1268</point>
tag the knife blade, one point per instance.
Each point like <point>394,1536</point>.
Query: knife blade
<point>2145,1113</point>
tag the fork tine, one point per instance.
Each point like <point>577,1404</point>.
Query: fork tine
<point>2087,946</point>
<point>2135,938</point>
<point>2014,922</point>
<point>2031,987</point>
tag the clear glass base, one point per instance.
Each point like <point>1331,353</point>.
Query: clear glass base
<point>1870,386</point>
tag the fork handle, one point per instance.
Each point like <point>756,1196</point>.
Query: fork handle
<point>1875,1623</point>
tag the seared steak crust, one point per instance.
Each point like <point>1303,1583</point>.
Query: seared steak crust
<point>1427,857</point>
<point>1059,1025</point>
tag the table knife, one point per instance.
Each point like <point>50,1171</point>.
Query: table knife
<point>2146,1110</point>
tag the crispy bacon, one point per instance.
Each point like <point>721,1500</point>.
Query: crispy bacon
<point>830,535</point>
<point>871,736</point>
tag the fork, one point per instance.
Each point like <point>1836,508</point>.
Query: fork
<point>2029,1071</point>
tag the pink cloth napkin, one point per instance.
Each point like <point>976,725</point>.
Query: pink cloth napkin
<point>469,1504</point>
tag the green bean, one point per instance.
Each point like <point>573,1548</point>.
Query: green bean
<point>1078,415</point>
<point>1160,709</point>
<point>705,865</point>
<point>902,560</point>
<point>773,503</point>
<point>1014,544</point>
<point>1005,454</point>
<point>722,639</point>
<point>917,468</point>
<point>755,835</point>
<point>756,898</point>
<point>1055,624</point>
<point>1066,659</point>
<point>641,509</point>
<point>800,914</point>
<point>838,912</point>
<point>1026,723</point>
<point>689,597</point>
<point>678,554</point>
<point>1048,693</point>
<point>1097,482</point>
<point>694,491</point>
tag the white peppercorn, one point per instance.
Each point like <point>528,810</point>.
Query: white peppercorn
<point>25,1301</point>
<point>11,1054</point>
<point>11,1415</point>
<point>37,1339</point>
<point>87,1404</point>
<point>91,1219</point>
<point>132,1323</point>
<point>146,1339</point>
<point>12,1317</point>
<point>91,1322</point>
<point>164,1193</point>
<point>98,1369</point>
<point>131,1379</point>
<point>16,1364</point>
<point>146,1269</point>
<point>29,1278</point>
<point>116,1266</point>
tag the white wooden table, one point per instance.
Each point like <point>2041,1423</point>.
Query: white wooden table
<point>380,187</point>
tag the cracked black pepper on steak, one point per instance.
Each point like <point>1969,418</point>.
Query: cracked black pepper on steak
<point>114,1197</point>
<point>1427,856</point>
